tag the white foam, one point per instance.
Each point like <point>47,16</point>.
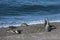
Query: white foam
<point>55,21</point>
<point>42,21</point>
<point>36,22</point>
<point>30,23</point>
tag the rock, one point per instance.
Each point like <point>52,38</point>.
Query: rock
<point>24,24</point>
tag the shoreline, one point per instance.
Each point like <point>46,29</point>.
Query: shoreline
<point>5,26</point>
<point>36,28</point>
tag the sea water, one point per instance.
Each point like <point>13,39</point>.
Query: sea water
<point>16,12</point>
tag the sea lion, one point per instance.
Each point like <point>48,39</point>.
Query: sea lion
<point>10,31</point>
<point>14,31</point>
<point>24,24</point>
<point>18,31</point>
<point>47,25</point>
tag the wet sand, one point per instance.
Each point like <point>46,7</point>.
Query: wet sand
<point>32,30</point>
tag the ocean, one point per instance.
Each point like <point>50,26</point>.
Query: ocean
<point>16,12</point>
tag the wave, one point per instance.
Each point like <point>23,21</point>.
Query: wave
<point>29,23</point>
<point>30,2</point>
<point>25,9</point>
<point>34,8</point>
